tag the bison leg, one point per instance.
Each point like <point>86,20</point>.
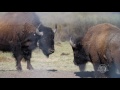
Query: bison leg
<point>115,55</point>
<point>29,66</point>
<point>27,58</point>
<point>99,71</point>
<point>82,67</point>
<point>18,62</point>
<point>17,55</point>
<point>115,71</point>
<point>111,73</point>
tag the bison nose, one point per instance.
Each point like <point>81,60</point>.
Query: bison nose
<point>51,51</point>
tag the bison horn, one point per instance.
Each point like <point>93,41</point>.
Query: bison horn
<point>55,28</point>
<point>72,43</point>
<point>38,32</point>
<point>39,25</point>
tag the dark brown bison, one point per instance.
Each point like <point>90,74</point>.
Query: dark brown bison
<point>19,34</point>
<point>101,46</point>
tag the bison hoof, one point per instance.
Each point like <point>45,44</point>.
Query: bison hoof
<point>19,69</point>
<point>30,68</point>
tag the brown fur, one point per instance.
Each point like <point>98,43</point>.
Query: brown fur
<point>97,39</point>
<point>16,22</point>
<point>18,35</point>
<point>102,44</point>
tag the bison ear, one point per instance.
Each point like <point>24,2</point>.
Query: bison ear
<point>72,43</point>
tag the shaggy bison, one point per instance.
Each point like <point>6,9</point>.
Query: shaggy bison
<point>100,46</point>
<point>19,34</point>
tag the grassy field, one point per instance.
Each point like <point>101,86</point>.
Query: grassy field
<point>61,60</point>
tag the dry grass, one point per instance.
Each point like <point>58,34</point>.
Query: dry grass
<point>61,60</point>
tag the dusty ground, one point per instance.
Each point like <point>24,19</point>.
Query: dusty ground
<point>37,74</point>
<point>44,74</point>
<point>58,65</point>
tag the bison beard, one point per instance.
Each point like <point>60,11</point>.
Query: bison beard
<point>20,32</point>
<point>101,45</point>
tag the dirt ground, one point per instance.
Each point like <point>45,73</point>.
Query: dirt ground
<point>43,74</point>
<point>58,65</point>
<point>37,74</point>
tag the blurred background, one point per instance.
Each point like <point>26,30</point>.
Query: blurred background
<point>75,23</point>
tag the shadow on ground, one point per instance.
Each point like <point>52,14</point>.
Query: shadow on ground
<point>91,75</point>
<point>7,70</point>
<point>52,70</point>
<point>86,74</point>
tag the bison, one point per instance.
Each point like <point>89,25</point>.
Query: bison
<point>100,46</point>
<point>20,32</point>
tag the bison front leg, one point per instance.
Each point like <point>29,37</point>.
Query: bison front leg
<point>18,62</point>
<point>27,58</point>
<point>16,50</point>
<point>82,67</point>
<point>29,66</point>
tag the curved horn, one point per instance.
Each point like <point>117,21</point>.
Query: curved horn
<point>72,43</point>
<point>37,30</point>
<point>39,25</point>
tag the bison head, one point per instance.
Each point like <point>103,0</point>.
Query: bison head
<point>78,50</point>
<point>46,39</point>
